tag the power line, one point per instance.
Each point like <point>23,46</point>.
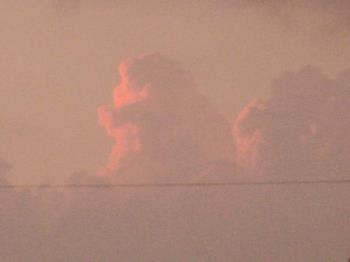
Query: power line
<point>197,184</point>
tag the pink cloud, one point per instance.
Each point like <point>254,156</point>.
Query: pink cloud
<point>161,124</point>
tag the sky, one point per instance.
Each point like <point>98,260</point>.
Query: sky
<point>111,92</point>
<point>60,58</point>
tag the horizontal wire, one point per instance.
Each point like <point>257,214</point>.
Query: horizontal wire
<point>198,184</point>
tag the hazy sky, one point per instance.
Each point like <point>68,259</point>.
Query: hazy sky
<point>175,91</point>
<point>59,63</point>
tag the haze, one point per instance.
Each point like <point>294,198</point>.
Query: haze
<point>117,92</point>
<point>59,61</point>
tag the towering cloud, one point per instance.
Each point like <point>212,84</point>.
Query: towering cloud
<point>301,131</point>
<point>161,124</point>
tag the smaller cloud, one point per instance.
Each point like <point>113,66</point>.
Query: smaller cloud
<point>301,131</point>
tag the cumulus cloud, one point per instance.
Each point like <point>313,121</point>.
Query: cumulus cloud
<point>301,131</point>
<point>161,124</point>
